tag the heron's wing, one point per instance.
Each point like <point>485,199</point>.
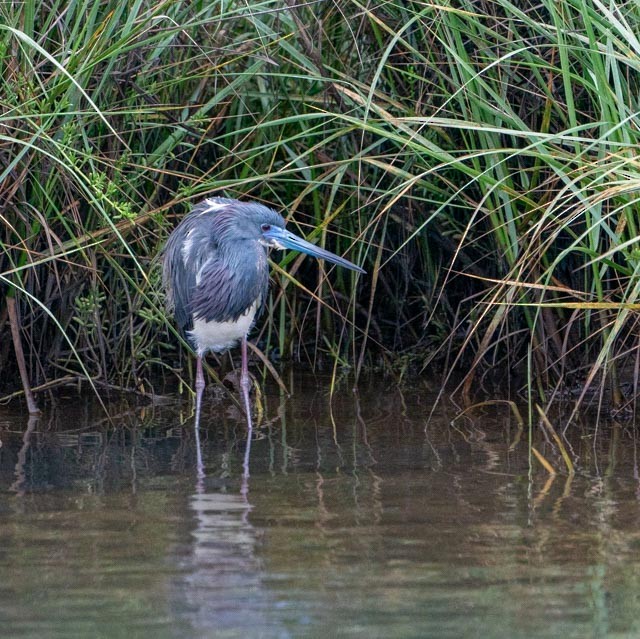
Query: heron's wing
<point>227,288</point>
<point>184,254</point>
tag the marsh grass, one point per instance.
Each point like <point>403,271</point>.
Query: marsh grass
<point>478,158</point>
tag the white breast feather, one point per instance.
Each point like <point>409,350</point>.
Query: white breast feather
<point>219,336</point>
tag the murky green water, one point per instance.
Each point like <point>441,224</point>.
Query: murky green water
<point>354,523</point>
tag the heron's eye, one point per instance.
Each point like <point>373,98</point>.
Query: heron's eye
<point>265,227</point>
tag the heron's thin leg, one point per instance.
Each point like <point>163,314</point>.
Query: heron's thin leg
<point>245,383</point>
<point>244,486</point>
<point>200,384</point>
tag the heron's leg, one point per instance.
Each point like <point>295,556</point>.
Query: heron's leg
<point>200,384</point>
<point>245,383</point>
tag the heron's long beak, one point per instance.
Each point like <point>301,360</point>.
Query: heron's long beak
<point>281,238</point>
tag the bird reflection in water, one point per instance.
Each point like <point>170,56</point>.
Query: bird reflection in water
<point>221,588</point>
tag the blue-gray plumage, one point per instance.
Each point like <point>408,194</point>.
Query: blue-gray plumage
<point>216,275</point>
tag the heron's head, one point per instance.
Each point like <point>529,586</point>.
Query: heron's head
<point>242,221</point>
<point>252,221</point>
<point>277,236</point>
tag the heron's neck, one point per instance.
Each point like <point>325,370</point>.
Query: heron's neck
<point>245,255</point>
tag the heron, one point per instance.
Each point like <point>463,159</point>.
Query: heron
<point>216,277</point>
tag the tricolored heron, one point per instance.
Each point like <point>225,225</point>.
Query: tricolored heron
<point>216,276</point>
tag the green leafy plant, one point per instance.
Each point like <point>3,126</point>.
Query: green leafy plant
<point>477,158</point>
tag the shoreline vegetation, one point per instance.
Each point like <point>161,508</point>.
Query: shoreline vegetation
<point>478,159</point>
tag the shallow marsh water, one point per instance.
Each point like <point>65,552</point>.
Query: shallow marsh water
<point>356,521</point>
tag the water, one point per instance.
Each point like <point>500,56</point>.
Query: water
<point>355,522</point>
